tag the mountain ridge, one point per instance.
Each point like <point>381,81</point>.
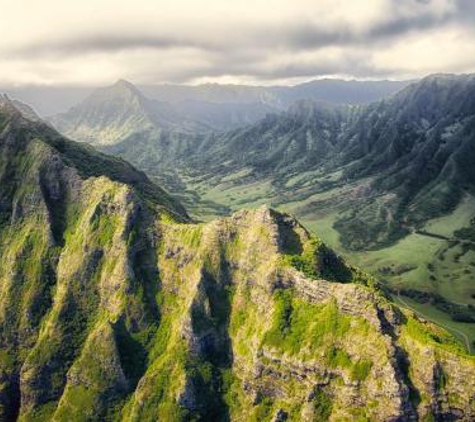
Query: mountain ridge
<point>391,141</point>
<point>390,183</point>
<point>115,307</point>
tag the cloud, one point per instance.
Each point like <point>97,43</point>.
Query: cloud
<point>266,41</point>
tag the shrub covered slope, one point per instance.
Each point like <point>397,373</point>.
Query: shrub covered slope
<point>113,306</point>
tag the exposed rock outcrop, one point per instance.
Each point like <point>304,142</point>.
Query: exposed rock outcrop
<point>114,307</point>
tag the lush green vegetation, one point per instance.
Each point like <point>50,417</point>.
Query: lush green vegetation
<point>298,326</point>
<point>114,310</point>
<point>426,265</point>
<point>466,233</point>
<point>429,333</point>
<point>369,196</point>
<point>461,331</point>
<point>322,405</point>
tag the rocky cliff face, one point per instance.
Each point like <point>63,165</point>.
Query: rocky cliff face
<point>114,307</point>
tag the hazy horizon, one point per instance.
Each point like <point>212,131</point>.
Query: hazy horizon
<point>197,84</point>
<point>47,100</point>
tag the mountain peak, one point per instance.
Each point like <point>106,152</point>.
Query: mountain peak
<point>13,106</point>
<point>123,87</point>
<point>123,83</point>
<point>130,290</point>
<point>121,90</point>
<point>6,102</point>
<point>444,79</point>
<point>107,114</point>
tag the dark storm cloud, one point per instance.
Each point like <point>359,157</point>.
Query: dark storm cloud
<point>311,36</point>
<point>107,43</point>
<point>466,11</point>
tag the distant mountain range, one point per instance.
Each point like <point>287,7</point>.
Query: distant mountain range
<point>52,100</point>
<point>335,91</point>
<point>415,146</point>
<point>112,114</point>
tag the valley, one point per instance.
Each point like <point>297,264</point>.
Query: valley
<point>371,194</point>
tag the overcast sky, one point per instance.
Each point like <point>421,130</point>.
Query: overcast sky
<point>95,42</point>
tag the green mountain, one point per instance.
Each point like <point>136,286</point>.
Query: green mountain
<point>411,151</point>
<point>113,114</point>
<point>114,306</point>
<point>389,184</point>
<point>118,112</point>
<point>411,154</point>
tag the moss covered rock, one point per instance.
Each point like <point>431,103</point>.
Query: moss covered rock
<point>113,306</point>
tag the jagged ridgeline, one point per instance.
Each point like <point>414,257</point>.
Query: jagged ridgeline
<point>113,306</point>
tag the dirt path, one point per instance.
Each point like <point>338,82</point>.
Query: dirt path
<point>454,330</point>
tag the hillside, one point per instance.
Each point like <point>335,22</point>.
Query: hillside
<point>413,149</point>
<point>121,111</point>
<point>389,184</point>
<point>411,154</point>
<point>223,103</point>
<point>114,307</point>
<point>116,113</point>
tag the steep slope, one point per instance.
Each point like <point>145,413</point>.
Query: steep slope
<point>390,183</point>
<point>106,115</point>
<point>403,160</point>
<point>419,146</point>
<point>338,91</point>
<point>302,138</point>
<point>112,307</point>
<point>114,113</point>
<point>20,133</point>
<point>276,147</point>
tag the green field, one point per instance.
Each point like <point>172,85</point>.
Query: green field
<point>459,218</point>
<point>415,251</point>
<point>417,261</point>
